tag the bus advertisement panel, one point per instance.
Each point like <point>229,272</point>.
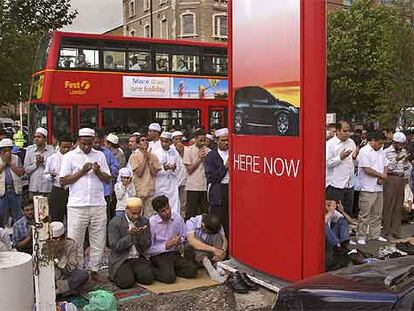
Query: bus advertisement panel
<point>268,100</point>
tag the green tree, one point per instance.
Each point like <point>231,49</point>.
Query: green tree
<point>370,61</point>
<point>22,24</point>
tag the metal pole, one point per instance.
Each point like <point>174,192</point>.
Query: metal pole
<point>20,107</point>
<point>151,21</point>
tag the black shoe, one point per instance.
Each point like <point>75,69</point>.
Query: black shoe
<point>250,284</point>
<point>236,283</point>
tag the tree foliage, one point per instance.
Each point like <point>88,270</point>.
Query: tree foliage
<point>22,24</point>
<point>370,61</point>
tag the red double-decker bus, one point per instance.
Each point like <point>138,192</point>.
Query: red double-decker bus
<point>122,84</point>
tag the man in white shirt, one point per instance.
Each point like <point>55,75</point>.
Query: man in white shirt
<point>196,185</point>
<point>166,181</point>
<point>340,153</point>
<point>85,171</point>
<point>59,197</point>
<point>154,132</point>
<point>177,139</point>
<point>372,165</point>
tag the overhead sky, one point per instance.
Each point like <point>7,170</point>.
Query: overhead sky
<point>96,16</point>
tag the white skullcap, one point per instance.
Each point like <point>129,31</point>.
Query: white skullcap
<point>112,138</point>
<point>154,127</point>
<point>222,132</point>
<point>176,133</point>
<point>86,132</point>
<point>124,172</point>
<point>209,136</point>
<point>133,202</point>
<point>399,137</point>
<point>42,131</point>
<point>6,142</point>
<point>57,229</point>
<point>136,134</point>
<point>167,135</point>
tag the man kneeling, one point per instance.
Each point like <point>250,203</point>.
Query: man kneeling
<point>207,243</point>
<point>129,238</point>
<point>168,233</point>
<point>64,253</point>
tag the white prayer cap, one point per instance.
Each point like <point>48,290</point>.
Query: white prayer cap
<point>176,133</point>
<point>42,131</point>
<point>167,135</point>
<point>154,127</point>
<point>57,229</point>
<point>6,142</point>
<point>222,132</point>
<point>86,132</point>
<point>399,137</point>
<point>125,172</point>
<point>136,134</point>
<point>134,202</point>
<point>209,136</point>
<point>112,138</point>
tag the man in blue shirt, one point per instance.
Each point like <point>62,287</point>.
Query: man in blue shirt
<point>98,144</point>
<point>22,233</point>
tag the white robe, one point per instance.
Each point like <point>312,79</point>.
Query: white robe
<point>166,182</point>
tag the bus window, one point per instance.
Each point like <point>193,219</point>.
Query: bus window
<point>38,116</point>
<point>215,65</point>
<point>114,60</point>
<point>61,121</point>
<point>127,121</point>
<point>140,61</point>
<point>185,63</point>
<point>42,53</point>
<point>162,62</point>
<point>78,58</point>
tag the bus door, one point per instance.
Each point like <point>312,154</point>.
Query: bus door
<point>61,121</point>
<point>85,116</point>
<point>218,115</point>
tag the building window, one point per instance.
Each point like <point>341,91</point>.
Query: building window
<point>146,5</point>
<point>347,2</point>
<point>131,8</point>
<point>164,29</point>
<point>163,2</point>
<point>147,31</point>
<point>132,32</point>
<point>220,25</point>
<point>188,27</point>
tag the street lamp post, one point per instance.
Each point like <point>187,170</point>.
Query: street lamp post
<point>19,85</point>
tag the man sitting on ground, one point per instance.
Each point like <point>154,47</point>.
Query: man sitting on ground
<point>64,252</point>
<point>207,243</point>
<point>168,233</point>
<point>129,237</point>
<point>337,237</point>
<point>22,233</point>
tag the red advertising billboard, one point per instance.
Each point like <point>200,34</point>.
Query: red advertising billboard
<point>277,116</point>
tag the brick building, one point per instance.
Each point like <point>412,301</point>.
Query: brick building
<point>203,20</point>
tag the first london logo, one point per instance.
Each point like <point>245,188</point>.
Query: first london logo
<point>78,87</point>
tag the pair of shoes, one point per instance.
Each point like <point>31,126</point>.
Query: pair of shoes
<point>240,283</point>
<point>361,242</point>
<point>97,277</point>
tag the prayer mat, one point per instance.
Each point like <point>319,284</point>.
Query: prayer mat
<point>202,280</point>
<point>124,295</point>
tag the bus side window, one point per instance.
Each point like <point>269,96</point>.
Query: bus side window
<point>79,58</point>
<point>114,60</point>
<point>140,61</point>
<point>162,62</point>
<point>185,63</point>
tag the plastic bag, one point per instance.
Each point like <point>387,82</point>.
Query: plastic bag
<point>101,300</point>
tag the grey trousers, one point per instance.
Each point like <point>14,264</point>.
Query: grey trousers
<point>370,215</point>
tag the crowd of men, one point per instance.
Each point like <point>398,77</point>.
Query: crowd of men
<point>161,207</point>
<point>368,183</point>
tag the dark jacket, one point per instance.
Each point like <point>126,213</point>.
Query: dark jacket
<point>215,171</point>
<point>121,242</point>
